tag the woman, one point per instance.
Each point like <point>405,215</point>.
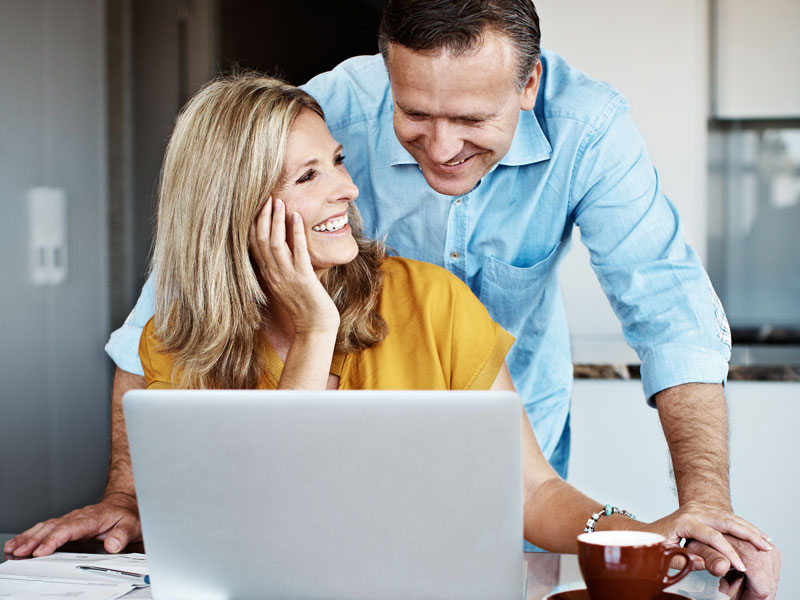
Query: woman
<point>264,280</point>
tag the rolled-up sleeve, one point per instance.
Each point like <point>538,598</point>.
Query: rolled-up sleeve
<point>655,282</point>
<point>123,345</point>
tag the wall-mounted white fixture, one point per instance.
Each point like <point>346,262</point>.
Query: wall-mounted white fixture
<point>47,226</point>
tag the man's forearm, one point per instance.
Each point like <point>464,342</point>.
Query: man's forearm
<point>120,473</point>
<point>694,417</point>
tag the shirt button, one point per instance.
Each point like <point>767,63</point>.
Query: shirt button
<point>458,201</point>
<point>454,255</point>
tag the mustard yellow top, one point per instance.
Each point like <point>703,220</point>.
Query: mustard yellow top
<point>440,338</point>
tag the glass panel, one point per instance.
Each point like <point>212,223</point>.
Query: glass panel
<point>755,256</point>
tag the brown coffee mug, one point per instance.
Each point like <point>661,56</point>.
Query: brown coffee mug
<point>628,565</point>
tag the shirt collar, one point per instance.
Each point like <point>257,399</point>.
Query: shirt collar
<point>528,146</point>
<point>397,154</point>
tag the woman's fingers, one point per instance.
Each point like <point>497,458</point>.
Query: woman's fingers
<point>719,536</point>
<point>302,261</point>
<point>268,239</point>
<point>255,249</point>
<point>710,536</point>
<point>727,522</point>
<point>277,241</point>
<point>260,237</point>
<point>744,530</point>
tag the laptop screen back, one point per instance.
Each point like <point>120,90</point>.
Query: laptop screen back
<point>330,494</point>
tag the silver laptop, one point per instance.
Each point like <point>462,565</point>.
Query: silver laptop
<point>329,494</point>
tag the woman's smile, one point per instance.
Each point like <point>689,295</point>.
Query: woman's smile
<point>316,185</point>
<point>331,225</point>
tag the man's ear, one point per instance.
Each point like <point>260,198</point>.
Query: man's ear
<point>528,97</point>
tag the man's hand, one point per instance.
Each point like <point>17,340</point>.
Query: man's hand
<point>694,417</point>
<point>115,519</point>
<point>762,567</point>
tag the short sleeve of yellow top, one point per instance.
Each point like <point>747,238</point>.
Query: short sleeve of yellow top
<point>440,338</point>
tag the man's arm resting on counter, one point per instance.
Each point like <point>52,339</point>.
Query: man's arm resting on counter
<point>694,417</point>
<point>115,519</point>
<point>120,472</point>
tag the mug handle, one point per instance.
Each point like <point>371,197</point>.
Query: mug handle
<point>668,554</point>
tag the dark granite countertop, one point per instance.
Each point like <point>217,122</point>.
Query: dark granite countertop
<point>735,372</point>
<point>748,363</point>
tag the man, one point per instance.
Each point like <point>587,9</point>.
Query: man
<point>473,151</point>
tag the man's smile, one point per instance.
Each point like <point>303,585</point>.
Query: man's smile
<point>453,166</point>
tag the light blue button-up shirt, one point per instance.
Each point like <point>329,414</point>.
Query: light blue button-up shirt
<point>576,159</point>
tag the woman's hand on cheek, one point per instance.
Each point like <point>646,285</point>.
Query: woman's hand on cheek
<point>288,272</point>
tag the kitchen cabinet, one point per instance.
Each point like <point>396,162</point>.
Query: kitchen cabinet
<point>755,53</point>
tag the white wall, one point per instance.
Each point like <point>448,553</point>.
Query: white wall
<point>655,53</point>
<point>769,89</point>
<point>622,458</point>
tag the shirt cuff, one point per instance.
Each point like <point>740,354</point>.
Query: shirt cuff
<point>119,346</point>
<point>123,345</point>
<point>668,365</point>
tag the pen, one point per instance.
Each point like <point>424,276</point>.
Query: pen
<point>113,572</point>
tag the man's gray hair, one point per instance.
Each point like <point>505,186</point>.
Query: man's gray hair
<point>458,26</point>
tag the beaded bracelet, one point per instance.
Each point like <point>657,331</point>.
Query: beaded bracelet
<point>607,511</point>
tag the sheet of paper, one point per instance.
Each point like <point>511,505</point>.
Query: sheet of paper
<point>62,565</point>
<point>140,593</point>
<point>20,587</point>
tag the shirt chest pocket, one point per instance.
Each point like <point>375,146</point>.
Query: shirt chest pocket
<point>513,294</point>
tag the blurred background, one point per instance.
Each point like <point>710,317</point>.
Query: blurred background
<point>89,90</point>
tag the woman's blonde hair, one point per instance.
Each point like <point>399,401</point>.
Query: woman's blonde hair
<point>224,158</point>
